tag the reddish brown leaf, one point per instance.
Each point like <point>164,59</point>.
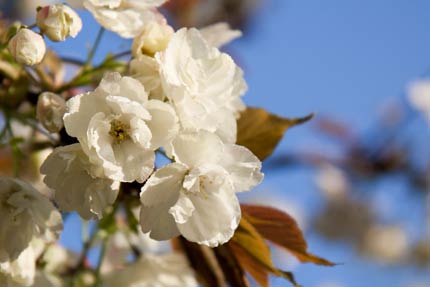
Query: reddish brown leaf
<point>248,263</point>
<point>253,254</point>
<point>281,229</point>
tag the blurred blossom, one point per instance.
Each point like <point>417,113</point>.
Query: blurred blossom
<point>420,254</point>
<point>330,284</point>
<point>419,96</point>
<point>50,111</point>
<point>345,219</point>
<point>27,8</point>
<point>20,271</point>
<point>57,259</point>
<point>145,244</point>
<point>170,270</point>
<point>117,251</point>
<point>332,181</point>
<point>387,244</point>
<point>201,13</point>
<point>43,279</point>
<point>219,34</point>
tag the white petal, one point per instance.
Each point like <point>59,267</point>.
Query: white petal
<point>140,133</point>
<point>194,149</point>
<point>163,124</point>
<point>80,109</point>
<point>135,162</point>
<point>243,166</point>
<point>215,218</point>
<point>183,209</point>
<point>122,105</point>
<point>145,69</point>
<point>128,22</point>
<point>159,193</point>
<point>219,34</point>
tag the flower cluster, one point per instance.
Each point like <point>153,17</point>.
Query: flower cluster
<point>182,98</point>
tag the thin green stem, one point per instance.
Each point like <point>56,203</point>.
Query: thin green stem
<point>34,25</point>
<point>75,62</point>
<point>95,46</point>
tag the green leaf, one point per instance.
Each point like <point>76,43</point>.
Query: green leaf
<point>261,131</point>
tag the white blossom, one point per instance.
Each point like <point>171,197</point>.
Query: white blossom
<point>195,196</point>
<point>125,17</point>
<point>19,272</point>
<point>169,270</point>
<point>24,214</point>
<point>50,111</point>
<point>202,83</point>
<point>119,128</point>
<point>27,47</point>
<point>67,171</point>
<point>219,34</point>
<point>154,38</point>
<point>419,97</point>
<point>58,22</point>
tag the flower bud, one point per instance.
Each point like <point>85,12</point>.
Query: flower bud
<point>27,47</point>
<point>154,38</point>
<point>58,22</point>
<point>50,111</point>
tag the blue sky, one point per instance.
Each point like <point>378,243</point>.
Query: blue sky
<point>340,58</point>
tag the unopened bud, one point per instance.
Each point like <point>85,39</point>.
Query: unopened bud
<point>58,22</point>
<point>50,111</point>
<point>27,47</point>
<point>154,38</point>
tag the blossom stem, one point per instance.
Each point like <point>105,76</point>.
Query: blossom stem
<point>72,61</point>
<point>95,46</point>
<point>34,25</point>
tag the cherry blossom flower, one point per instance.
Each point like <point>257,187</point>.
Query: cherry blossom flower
<point>67,171</point>
<point>203,84</point>
<point>195,196</point>
<point>125,17</point>
<point>25,214</point>
<point>119,128</point>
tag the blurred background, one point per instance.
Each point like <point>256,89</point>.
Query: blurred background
<point>356,177</point>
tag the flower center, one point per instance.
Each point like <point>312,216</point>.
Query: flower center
<point>119,131</point>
